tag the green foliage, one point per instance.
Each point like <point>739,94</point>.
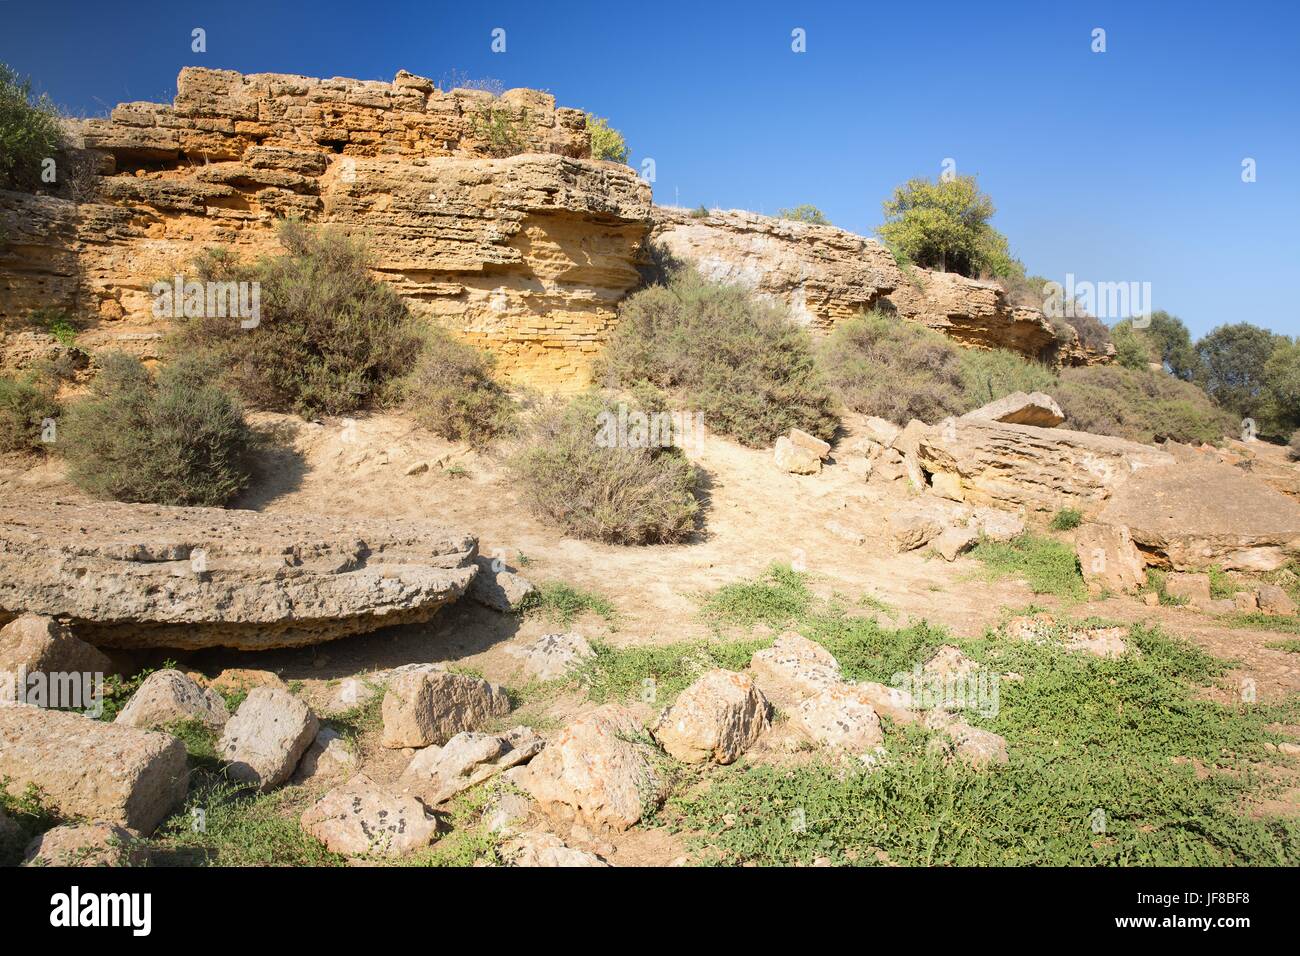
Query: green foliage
<point>989,374</point>
<point>30,132</point>
<point>805,213</point>
<point>503,131</point>
<point>777,598</point>
<point>944,225</point>
<point>452,393</point>
<point>1130,351</point>
<point>1050,566</point>
<point>616,493</point>
<point>30,810</point>
<point>743,362</point>
<point>1233,360</point>
<point>1067,519</point>
<point>620,673</point>
<point>883,366</point>
<point>562,604</point>
<point>1083,733</point>
<point>331,338</point>
<point>1164,341</point>
<point>1142,405</point>
<point>177,439</point>
<point>606,142</point>
<point>26,401</point>
<point>1281,411</point>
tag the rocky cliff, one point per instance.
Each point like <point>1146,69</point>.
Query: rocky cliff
<point>525,254</point>
<point>825,275</point>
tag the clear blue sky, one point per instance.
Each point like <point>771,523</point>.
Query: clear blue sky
<point>1116,166</point>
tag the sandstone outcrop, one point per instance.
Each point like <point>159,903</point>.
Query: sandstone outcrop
<point>524,254</point>
<point>1020,408</point>
<point>89,768</point>
<point>151,576</point>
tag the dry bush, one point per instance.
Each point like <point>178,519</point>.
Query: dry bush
<point>1141,405</point>
<point>452,393</point>
<point>988,375</point>
<point>743,362</point>
<point>25,403</point>
<point>616,494</point>
<point>894,369</point>
<point>177,439</point>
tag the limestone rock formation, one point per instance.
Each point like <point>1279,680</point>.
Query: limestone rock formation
<point>89,768</point>
<point>1108,558</point>
<point>35,643</point>
<point>427,704</point>
<point>1020,408</point>
<point>436,774</point>
<point>153,576</point>
<point>524,254</point>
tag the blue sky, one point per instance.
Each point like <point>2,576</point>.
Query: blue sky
<point>1115,166</point>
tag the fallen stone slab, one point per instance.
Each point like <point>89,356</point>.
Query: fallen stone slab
<point>552,656</point>
<point>971,745</point>
<point>545,849</point>
<point>954,542</point>
<point>794,668</point>
<point>266,738</point>
<point>436,774</point>
<point>501,590</point>
<point>1019,408</point>
<point>1271,599</point>
<point>812,443</point>
<point>89,768</point>
<point>596,771</point>
<point>132,575</point>
<point>427,704</point>
<point>1109,559</point>
<point>327,757</point>
<point>167,697</point>
<point>86,844</point>
<point>717,718</point>
<point>38,644</point>
<point>364,818</point>
<point>1195,515</point>
<point>1036,469</point>
<point>1188,587</point>
<point>842,718</point>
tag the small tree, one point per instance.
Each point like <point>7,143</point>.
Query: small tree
<point>1232,362</point>
<point>606,142</point>
<point>1282,384</point>
<point>944,225</point>
<point>29,132</point>
<point>805,213</point>
<point>1163,339</point>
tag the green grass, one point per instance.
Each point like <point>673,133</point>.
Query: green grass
<point>657,674</point>
<point>1292,647</point>
<point>30,811</point>
<point>1050,566</point>
<point>1067,519</point>
<point>1126,736</point>
<point>562,604</point>
<point>779,596</point>
<point>1264,622</point>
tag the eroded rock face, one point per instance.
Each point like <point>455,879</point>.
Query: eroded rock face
<point>1037,469</point>
<point>827,275</point>
<point>526,255</point>
<point>1194,515</point>
<point>88,768</point>
<point>152,576</point>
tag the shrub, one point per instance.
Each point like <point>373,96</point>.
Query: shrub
<point>606,142</point>
<point>743,362</point>
<point>805,213</point>
<point>944,225</point>
<point>1067,519</point>
<point>699,212</point>
<point>1050,566</point>
<point>29,132</point>
<point>25,403</point>
<point>987,375</point>
<point>176,439</point>
<point>1282,389</point>
<point>1293,449</point>
<point>331,338</point>
<point>502,130</point>
<point>894,369</point>
<point>452,393</point>
<point>1142,405</point>
<point>1164,340</point>
<point>616,494</point>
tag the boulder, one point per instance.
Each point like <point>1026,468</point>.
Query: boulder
<point>34,643</point>
<point>133,575</point>
<point>552,656</point>
<point>1109,559</point>
<point>596,771</point>
<point>502,590</point>
<point>1036,469</point>
<point>86,844</point>
<point>89,768</point>
<point>428,704</point>
<point>364,818</point>
<point>881,430</point>
<point>506,811</point>
<point>1019,408</point>
<point>1193,589</point>
<point>545,849</point>
<point>842,717</point>
<point>794,668</point>
<point>266,738</point>
<point>971,745</point>
<point>327,757</point>
<point>167,697</point>
<point>436,774</point>
<point>812,443</point>
<point>1099,641</point>
<point>914,528</point>
<point>717,718</point>
<point>997,525</point>
<point>1246,602</point>
<point>955,541</point>
<point>892,702</point>
<point>1273,600</point>
<point>1199,514</point>
<point>796,459</point>
<point>949,661</point>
